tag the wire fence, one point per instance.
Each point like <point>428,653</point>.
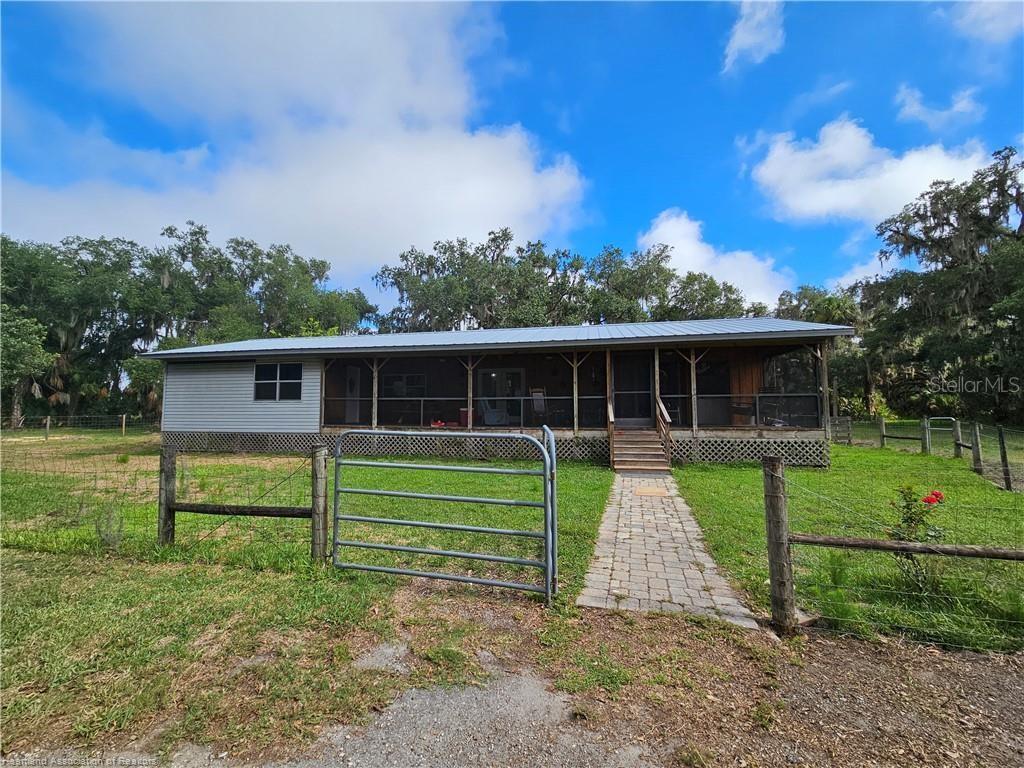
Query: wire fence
<point>999,460</point>
<point>55,425</point>
<point>96,493</point>
<point>967,602</point>
<point>89,495</point>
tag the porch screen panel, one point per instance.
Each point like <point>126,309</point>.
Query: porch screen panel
<point>593,392</point>
<point>675,387</point>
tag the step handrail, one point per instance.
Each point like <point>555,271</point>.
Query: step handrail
<point>663,421</point>
<point>611,433</point>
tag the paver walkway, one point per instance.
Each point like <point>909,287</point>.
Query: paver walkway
<point>650,555</point>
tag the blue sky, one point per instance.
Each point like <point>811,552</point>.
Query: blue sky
<point>762,141</point>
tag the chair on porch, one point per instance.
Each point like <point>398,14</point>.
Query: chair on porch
<point>539,405</point>
<point>493,416</point>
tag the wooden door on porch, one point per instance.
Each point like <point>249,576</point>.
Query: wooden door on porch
<point>631,387</point>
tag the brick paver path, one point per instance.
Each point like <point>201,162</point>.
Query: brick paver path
<point>650,555</point>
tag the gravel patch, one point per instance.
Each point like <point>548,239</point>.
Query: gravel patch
<point>512,720</point>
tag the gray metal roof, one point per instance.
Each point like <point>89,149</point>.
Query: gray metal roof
<point>618,335</point>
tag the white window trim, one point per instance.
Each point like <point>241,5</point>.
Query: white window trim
<point>277,381</point>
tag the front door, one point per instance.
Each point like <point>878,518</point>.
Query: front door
<point>631,388</point>
<point>352,374</point>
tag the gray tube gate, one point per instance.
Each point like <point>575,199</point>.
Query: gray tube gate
<point>549,536</point>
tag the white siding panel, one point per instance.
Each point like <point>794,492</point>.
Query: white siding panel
<point>218,397</point>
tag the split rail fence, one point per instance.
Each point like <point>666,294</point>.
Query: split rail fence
<point>996,452</point>
<point>315,511</point>
<point>953,575</point>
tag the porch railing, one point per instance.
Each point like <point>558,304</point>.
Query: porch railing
<point>800,410</point>
<point>611,428</point>
<point>452,412</point>
<point>672,411</point>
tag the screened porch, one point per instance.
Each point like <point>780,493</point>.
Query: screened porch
<point>759,387</point>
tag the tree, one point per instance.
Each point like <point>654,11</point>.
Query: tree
<point>817,305</point>
<point>698,296</point>
<point>22,358</point>
<point>958,317</point>
<point>103,300</point>
<point>628,289</point>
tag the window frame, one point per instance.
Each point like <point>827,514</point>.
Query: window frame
<point>277,381</point>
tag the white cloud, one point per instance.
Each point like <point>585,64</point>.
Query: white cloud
<point>756,35</point>
<point>824,92</point>
<point>963,108</point>
<point>354,198</point>
<point>858,271</point>
<point>274,62</point>
<point>757,276</point>
<point>989,21</point>
<point>844,174</point>
<point>340,129</point>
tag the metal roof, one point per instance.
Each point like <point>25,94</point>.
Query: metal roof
<point>618,335</point>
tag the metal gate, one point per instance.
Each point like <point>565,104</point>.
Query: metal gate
<point>548,536</point>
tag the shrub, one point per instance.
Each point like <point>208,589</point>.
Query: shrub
<point>923,575</point>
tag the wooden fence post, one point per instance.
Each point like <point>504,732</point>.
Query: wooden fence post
<point>780,567</point>
<point>976,457</point>
<point>926,436</point>
<point>165,512</point>
<point>318,535</point>
<point>47,428</point>
<point>958,450</point>
<point>881,432</point>
<point>1005,461</point>
<point>124,421</point>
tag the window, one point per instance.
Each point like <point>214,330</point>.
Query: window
<point>278,381</point>
<point>404,385</point>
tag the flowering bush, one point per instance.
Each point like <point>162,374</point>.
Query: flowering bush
<point>914,525</point>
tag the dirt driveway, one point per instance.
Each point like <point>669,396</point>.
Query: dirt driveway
<point>605,689</point>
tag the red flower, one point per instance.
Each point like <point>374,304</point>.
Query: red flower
<point>938,496</point>
<point>930,499</point>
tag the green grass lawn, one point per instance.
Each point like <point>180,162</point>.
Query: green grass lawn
<point>231,634</point>
<point>963,602</point>
<point>101,498</point>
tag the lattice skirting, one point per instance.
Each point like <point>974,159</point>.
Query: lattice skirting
<point>795,451</point>
<point>593,449</point>
<point>720,450</point>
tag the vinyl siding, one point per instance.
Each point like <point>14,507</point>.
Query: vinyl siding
<point>218,397</point>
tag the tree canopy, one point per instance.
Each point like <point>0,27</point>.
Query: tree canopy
<point>956,314</point>
<point>77,314</point>
<point>495,284</point>
<point>102,301</point>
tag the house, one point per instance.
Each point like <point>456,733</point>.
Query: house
<point>634,393</point>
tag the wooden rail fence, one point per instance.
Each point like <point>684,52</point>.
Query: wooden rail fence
<point>316,512</point>
<point>780,539</point>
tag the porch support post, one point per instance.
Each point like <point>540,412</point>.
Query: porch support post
<point>575,362</point>
<point>469,393</point>
<point>470,365</point>
<point>375,368</point>
<point>375,364</point>
<point>657,377</point>
<point>575,392</point>
<point>824,409</point>
<point>693,391</point>
<point>609,386</point>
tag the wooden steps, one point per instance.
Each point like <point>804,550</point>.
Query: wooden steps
<point>639,450</point>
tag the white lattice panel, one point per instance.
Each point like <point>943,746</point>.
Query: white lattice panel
<point>721,450</point>
<point>568,448</point>
<point>795,451</point>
